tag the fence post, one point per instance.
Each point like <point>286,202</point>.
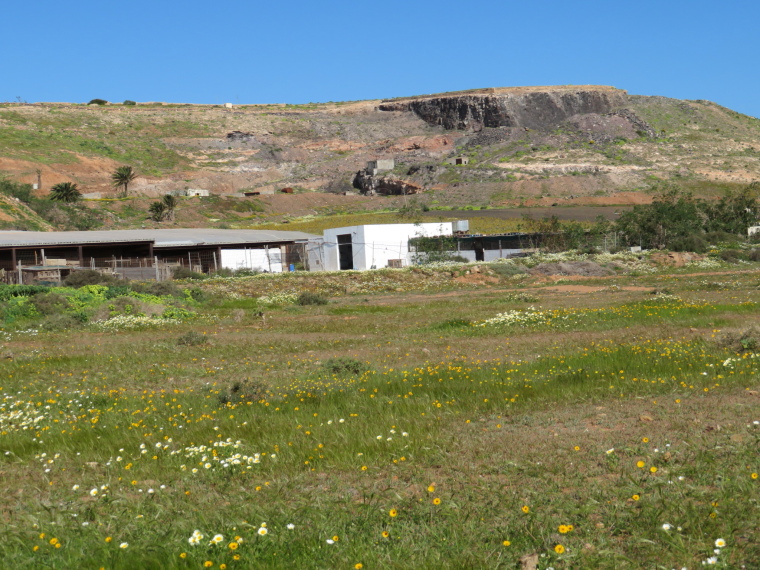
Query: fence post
<point>155,264</point>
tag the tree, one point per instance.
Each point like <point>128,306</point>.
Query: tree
<point>170,203</point>
<point>122,177</point>
<point>157,211</point>
<point>65,192</point>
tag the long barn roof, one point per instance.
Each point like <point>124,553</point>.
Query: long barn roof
<point>185,237</point>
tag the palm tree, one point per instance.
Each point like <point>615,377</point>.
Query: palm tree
<point>170,203</point>
<point>65,192</point>
<point>157,211</point>
<point>122,177</point>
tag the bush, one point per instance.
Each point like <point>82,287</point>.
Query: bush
<point>89,277</point>
<point>506,269</point>
<point>693,243</point>
<point>345,366</point>
<point>129,102</point>
<point>157,288</point>
<point>186,273</point>
<point>747,340</point>
<point>61,322</point>
<point>98,102</point>
<point>49,303</point>
<point>309,298</point>
<point>732,255</point>
<point>754,255</point>
<point>192,338</point>
<point>244,391</point>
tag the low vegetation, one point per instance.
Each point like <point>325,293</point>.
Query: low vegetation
<point>420,419</point>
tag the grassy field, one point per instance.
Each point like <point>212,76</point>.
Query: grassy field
<point>421,418</point>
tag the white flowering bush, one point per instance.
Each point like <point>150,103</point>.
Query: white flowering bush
<point>17,415</point>
<point>133,322</point>
<point>531,317</point>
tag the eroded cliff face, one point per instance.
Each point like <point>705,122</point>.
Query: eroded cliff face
<point>533,108</point>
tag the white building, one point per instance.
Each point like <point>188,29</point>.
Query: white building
<point>369,247</point>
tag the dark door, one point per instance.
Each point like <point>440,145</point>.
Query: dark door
<point>479,253</point>
<point>345,251</point>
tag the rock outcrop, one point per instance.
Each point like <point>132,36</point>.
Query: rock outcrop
<point>532,108</point>
<point>390,185</point>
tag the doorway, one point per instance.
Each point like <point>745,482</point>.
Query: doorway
<point>345,252</point>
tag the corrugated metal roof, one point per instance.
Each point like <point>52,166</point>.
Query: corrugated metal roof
<point>184,237</point>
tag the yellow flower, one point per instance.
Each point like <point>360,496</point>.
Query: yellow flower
<point>526,509</point>
<point>577,448</point>
<point>393,513</point>
<point>562,529</point>
<point>232,545</point>
<point>559,549</point>
<point>335,538</point>
<point>57,544</point>
<point>236,557</point>
<point>53,541</point>
<point>754,475</point>
<point>108,539</point>
<point>183,555</point>
<point>222,567</point>
<point>645,439</point>
<point>436,501</point>
<point>36,548</point>
<point>640,464</point>
<point>364,467</point>
<point>386,534</point>
<point>653,469</point>
<point>431,489</point>
<point>506,543</point>
<point>358,566</point>
<point>208,564</point>
<point>636,497</point>
<point>42,536</point>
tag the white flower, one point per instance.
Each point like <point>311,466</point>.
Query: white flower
<point>720,543</point>
<point>124,545</point>
<point>341,420</point>
<point>150,491</point>
<point>94,492</point>
<point>667,526</point>
<point>330,541</point>
<point>75,487</point>
<point>291,526</point>
<point>610,451</point>
<point>217,539</point>
<point>262,531</point>
<point>712,560</point>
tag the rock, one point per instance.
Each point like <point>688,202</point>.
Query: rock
<point>539,108</point>
<point>388,185</point>
<point>646,418</point>
<point>529,561</point>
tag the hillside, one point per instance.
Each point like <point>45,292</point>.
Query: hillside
<point>540,146</point>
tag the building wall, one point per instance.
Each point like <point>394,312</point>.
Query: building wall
<point>253,259</point>
<point>374,245</point>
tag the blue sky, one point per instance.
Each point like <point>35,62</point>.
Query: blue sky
<point>336,50</point>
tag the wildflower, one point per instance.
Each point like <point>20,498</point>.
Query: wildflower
<point>754,475</point>
<point>108,539</point>
<point>208,564</point>
<point>559,549</point>
<point>217,539</point>
<point>233,545</point>
<point>720,543</point>
<point>222,567</point>
<point>636,497</point>
<point>291,526</point>
<point>364,467</point>
<point>335,538</point>
<point>75,487</point>
<point>525,509</point>
<point>436,501</point>
<point>393,513</point>
<point>645,439</point>
<point>183,555</point>
<point>653,469</point>
<point>386,534</point>
<point>358,566</point>
<point>610,451</point>
<point>124,545</point>
<point>506,543</point>
<point>431,489</point>
<point>712,560</point>
<point>563,528</point>
<point>577,448</point>
<point>53,541</point>
<point>94,492</point>
<point>667,526</point>
<point>262,531</point>
<point>640,464</point>
<point>330,541</point>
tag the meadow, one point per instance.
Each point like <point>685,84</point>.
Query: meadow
<point>416,418</point>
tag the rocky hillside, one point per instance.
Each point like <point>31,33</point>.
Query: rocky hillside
<point>522,146</point>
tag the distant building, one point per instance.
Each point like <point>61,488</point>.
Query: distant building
<point>380,165</point>
<point>197,192</point>
<point>458,161</point>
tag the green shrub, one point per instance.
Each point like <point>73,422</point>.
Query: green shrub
<point>157,288</point>
<point>89,277</point>
<point>129,102</point>
<point>754,255</point>
<point>309,298</point>
<point>732,255</point>
<point>345,366</point>
<point>506,269</point>
<point>49,303</point>
<point>98,102</point>
<point>693,243</point>
<point>60,322</point>
<point>186,273</point>
<point>192,338</point>
<point>747,340</point>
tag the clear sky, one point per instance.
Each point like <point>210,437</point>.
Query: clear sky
<point>337,50</point>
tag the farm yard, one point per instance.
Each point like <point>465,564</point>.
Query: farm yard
<point>446,416</point>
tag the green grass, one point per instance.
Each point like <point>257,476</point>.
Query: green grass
<point>425,454</point>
